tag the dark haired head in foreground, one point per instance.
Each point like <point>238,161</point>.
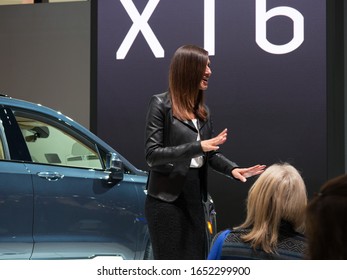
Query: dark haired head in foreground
<point>327,221</point>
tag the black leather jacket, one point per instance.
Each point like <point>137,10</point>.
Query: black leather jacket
<point>170,146</point>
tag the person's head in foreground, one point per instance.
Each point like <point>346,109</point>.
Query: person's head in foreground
<point>276,198</point>
<point>327,221</point>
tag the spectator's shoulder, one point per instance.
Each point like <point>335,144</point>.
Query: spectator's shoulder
<point>236,234</point>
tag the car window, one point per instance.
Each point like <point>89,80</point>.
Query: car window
<point>49,144</point>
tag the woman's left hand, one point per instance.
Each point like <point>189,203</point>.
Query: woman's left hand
<point>243,173</point>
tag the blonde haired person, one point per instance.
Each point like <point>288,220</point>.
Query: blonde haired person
<point>273,227</point>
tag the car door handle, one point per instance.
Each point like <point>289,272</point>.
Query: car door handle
<point>50,176</point>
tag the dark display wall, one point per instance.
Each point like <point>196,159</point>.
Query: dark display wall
<point>268,86</point>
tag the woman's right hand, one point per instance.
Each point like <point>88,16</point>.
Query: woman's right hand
<point>213,143</point>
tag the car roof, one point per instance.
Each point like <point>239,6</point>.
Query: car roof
<point>19,103</point>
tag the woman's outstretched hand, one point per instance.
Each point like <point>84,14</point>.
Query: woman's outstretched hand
<point>238,173</point>
<point>243,173</point>
<point>213,143</point>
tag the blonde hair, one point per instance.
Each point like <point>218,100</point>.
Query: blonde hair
<point>278,194</point>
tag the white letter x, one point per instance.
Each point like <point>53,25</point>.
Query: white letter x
<point>140,23</point>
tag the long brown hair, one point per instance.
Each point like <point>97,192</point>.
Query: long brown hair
<point>186,71</point>
<point>278,194</point>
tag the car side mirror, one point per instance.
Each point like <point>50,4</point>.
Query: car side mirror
<point>115,166</point>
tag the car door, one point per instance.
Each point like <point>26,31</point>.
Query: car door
<point>78,211</point>
<point>79,215</point>
<point>16,211</point>
<point>16,194</point>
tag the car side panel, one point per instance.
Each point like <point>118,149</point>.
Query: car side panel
<point>81,215</point>
<point>16,211</point>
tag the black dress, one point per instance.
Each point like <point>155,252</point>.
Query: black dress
<point>177,229</point>
<point>174,207</point>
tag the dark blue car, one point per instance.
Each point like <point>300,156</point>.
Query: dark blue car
<point>65,193</point>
